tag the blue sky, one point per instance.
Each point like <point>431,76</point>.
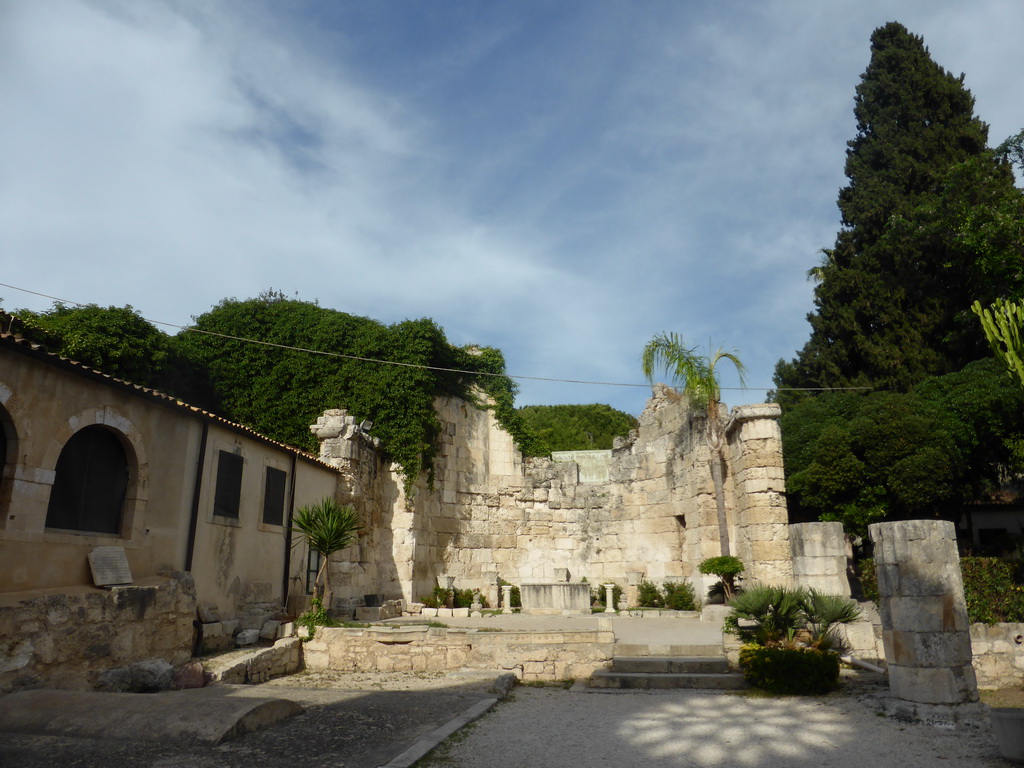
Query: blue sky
<point>559,179</point>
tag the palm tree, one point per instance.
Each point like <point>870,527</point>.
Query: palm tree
<point>328,527</point>
<point>696,376</point>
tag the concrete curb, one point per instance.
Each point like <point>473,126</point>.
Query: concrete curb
<point>435,737</point>
<point>503,684</point>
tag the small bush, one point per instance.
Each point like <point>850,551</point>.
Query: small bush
<point>649,596</point>
<point>316,616</point>
<point>436,599</point>
<point>868,580</point>
<point>679,596</point>
<point>790,670</point>
<point>725,567</point>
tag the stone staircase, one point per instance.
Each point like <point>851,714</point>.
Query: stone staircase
<point>642,667</point>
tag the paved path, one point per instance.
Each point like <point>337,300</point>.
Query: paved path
<point>692,729</point>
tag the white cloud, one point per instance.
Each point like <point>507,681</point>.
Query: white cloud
<point>559,181</point>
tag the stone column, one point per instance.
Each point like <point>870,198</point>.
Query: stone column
<point>924,620</point>
<point>819,557</point>
<point>609,598</point>
<point>506,598</point>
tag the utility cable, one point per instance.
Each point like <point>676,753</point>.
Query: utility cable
<point>189,329</point>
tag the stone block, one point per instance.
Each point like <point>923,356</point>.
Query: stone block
<point>247,637</point>
<point>188,675</point>
<point>208,612</point>
<point>151,675</point>
<point>270,630</point>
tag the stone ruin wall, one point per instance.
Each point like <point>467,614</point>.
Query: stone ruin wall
<point>491,514</point>
<point>68,638</point>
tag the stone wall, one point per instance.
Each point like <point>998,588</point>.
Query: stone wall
<point>491,514</point>
<point>258,666</point>
<point>67,638</point>
<point>565,655</point>
<point>998,653</point>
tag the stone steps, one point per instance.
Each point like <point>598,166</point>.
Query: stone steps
<point>663,665</point>
<point>653,672</point>
<point>726,681</point>
<point>688,650</point>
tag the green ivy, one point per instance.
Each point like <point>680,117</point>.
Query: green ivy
<point>280,392</point>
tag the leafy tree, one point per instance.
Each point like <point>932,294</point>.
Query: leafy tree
<point>861,458</point>
<point>576,427</point>
<point>931,219</point>
<point>696,375</point>
<point>328,527</point>
<point>115,340</point>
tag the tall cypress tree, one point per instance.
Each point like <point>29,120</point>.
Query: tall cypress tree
<point>893,294</point>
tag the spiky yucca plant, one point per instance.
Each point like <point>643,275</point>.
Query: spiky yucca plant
<point>328,527</point>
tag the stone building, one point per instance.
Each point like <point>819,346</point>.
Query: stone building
<point>492,515</point>
<point>198,505</point>
<point>201,506</point>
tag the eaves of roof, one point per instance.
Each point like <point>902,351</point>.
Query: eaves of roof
<point>37,352</point>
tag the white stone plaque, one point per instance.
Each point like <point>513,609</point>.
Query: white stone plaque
<point>109,567</point>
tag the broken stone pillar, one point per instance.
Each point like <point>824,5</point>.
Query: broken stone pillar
<point>819,557</point>
<point>506,598</point>
<point>924,620</point>
<point>491,588</point>
<point>631,594</point>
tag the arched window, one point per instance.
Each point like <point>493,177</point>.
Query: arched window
<point>90,483</point>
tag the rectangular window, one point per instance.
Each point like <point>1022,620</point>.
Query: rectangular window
<point>273,496</point>
<point>228,495</point>
<point>313,563</point>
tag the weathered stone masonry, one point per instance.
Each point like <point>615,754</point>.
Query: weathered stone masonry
<point>491,514</point>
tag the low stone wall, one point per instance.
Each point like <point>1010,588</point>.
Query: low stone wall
<point>529,655</point>
<point>67,638</point>
<point>998,655</point>
<point>258,665</point>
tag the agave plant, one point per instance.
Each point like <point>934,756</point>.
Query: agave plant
<point>328,527</point>
<point>823,614</point>
<point>779,614</point>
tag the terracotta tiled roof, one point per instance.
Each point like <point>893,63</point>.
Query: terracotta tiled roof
<point>19,344</point>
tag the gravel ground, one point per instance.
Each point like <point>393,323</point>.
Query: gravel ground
<point>566,729</point>
<point>351,721</point>
<point>365,719</point>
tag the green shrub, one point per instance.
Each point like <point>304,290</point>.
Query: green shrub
<point>464,599</point>
<point>436,599</point>
<point>992,589</point>
<point>868,579</point>
<point>790,670</point>
<point>649,596</point>
<point>679,596</point>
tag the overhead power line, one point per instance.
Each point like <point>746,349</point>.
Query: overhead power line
<point>189,329</point>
